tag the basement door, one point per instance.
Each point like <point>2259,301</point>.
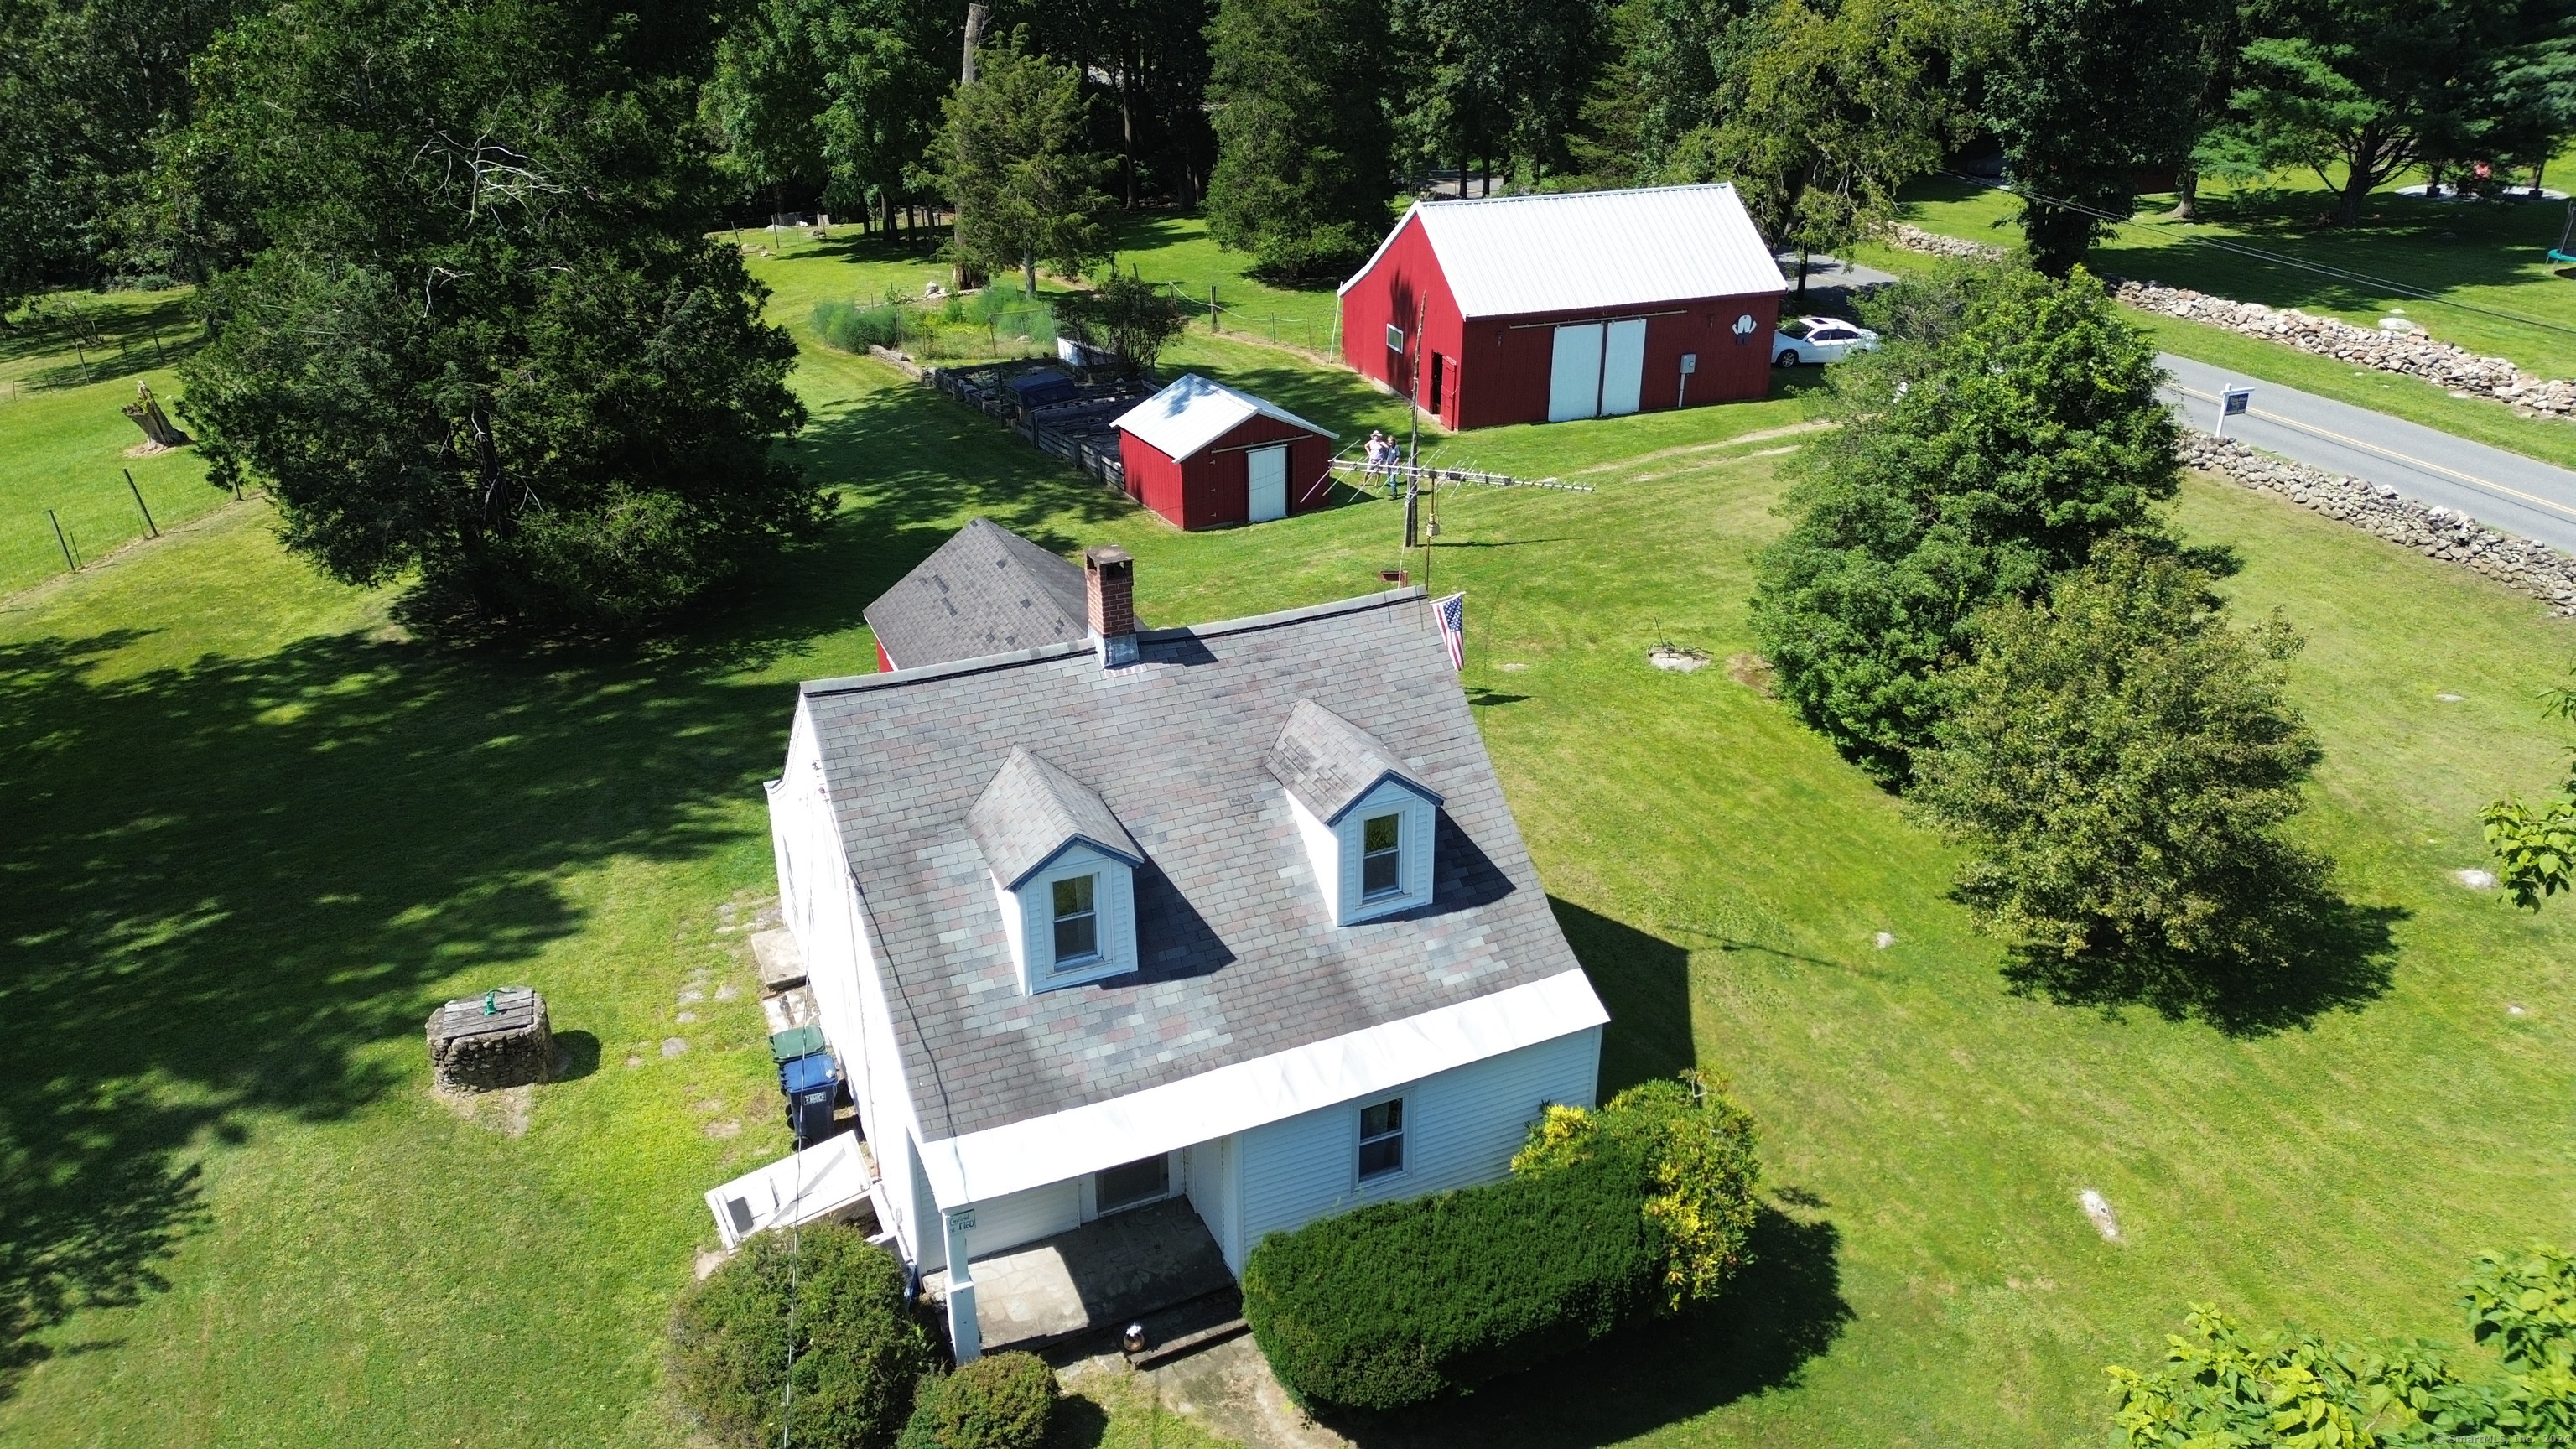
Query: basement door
<point>1268,469</point>
<point>1597,370</point>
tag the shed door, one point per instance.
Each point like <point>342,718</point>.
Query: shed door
<point>1269,472</point>
<point>1574,374</point>
<point>1623,367</point>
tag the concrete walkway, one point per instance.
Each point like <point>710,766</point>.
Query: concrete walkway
<point>2504,490</point>
<point>1103,1273</point>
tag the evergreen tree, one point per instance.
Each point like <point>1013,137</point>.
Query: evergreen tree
<point>1012,158</point>
<point>1970,464</point>
<point>1303,175</point>
<point>483,335</point>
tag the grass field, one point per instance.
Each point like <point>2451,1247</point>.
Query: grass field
<point>256,833</point>
<point>67,443</point>
<point>2490,257</point>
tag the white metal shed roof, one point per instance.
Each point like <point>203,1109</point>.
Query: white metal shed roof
<point>1569,251</point>
<point>1194,412</point>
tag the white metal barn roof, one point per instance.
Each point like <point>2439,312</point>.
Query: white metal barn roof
<point>1194,412</point>
<point>1568,251</point>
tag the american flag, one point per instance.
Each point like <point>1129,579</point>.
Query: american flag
<point>1453,627</point>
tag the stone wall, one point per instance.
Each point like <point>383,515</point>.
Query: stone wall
<point>1915,239</point>
<point>2409,351</point>
<point>2518,563</point>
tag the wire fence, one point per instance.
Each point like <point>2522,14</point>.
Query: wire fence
<point>75,524</point>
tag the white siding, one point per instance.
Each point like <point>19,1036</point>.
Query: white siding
<point>1335,852</point>
<point>1212,1191</point>
<point>1462,1127</point>
<point>1021,1217</point>
<point>1029,920</point>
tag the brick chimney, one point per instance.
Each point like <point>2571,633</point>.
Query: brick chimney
<point>1109,582</point>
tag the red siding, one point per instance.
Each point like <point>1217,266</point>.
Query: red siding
<point>885,664</point>
<point>1213,486</point>
<point>1497,367</point>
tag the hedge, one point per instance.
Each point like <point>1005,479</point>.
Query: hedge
<point>1609,1217</point>
<point>859,1347</point>
<point>1001,1401</point>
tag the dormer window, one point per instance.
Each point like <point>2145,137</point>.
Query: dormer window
<point>1364,813</point>
<point>1077,921</point>
<point>1382,857</point>
<point>1063,874</point>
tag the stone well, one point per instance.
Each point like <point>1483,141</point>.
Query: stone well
<point>484,1043</point>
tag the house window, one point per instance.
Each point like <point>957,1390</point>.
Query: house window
<point>1382,1138</point>
<point>1141,1181</point>
<point>1077,923</point>
<point>1381,856</point>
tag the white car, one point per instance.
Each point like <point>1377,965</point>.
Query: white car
<point>1819,339</point>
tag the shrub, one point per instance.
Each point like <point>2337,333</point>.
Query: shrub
<point>1608,1217</point>
<point>854,329</point>
<point>859,1348</point>
<point>2225,1385</point>
<point>998,1402</point>
<point>1129,316</point>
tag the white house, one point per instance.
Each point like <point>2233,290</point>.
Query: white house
<point>1234,913</point>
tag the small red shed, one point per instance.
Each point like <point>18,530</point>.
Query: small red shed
<point>1577,304</point>
<point>1202,454</point>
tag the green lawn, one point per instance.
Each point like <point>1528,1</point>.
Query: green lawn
<point>67,442</point>
<point>255,834</point>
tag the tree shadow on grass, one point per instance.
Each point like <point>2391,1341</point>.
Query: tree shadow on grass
<point>224,880</point>
<point>2342,960</point>
<point>1785,1308</point>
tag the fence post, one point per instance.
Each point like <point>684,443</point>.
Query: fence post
<point>1214,325</point>
<point>139,503</point>
<point>61,542</point>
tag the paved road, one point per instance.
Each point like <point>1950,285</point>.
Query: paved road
<point>2506,490</point>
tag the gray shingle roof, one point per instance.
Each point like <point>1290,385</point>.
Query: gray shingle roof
<point>985,591</point>
<point>1328,763</point>
<point>1032,811</point>
<point>1239,959</point>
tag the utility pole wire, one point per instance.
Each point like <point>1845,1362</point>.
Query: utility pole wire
<point>2405,289</point>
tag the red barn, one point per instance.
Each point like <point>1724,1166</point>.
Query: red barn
<point>1202,454</point>
<point>1578,304</point>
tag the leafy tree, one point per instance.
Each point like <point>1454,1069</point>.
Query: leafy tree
<point>2223,1385</point>
<point>484,337</point>
<point>2120,763</point>
<point>88,89</point>
<point>1303,171</point>
<point>1012,159</point>
<point>1828,112</point>
<point>1146,62</point>
<point>836,98</point>
<point>2359,90</point>
<point>1657,83</point>
<point>1488,76</point>
<point>1129,316</point>
<point>2536,844</point>
<point>2088,94</point>
<point>1972,461</point>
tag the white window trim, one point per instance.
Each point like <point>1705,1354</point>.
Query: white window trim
<point>1173,1186</point>
<point>1028,919</point>
<point>1371,1181</point>
<point>1335,852</point>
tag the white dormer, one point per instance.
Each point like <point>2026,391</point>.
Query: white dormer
<point>1366,819</point>
<point>1064,874</point>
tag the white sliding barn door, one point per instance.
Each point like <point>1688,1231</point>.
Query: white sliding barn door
<point>1268,468</point>
<point>1574,374</point>
<point>1623,367</point>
